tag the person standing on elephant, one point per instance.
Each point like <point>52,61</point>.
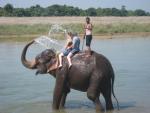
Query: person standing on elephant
<point>75,49</point>
<point>88,34</point>
<point>67,49</point>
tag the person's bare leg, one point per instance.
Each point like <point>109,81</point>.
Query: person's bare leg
<point>69,59</point>
<point>60,59</point>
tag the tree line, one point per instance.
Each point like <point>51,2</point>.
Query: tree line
<point>63,10</point>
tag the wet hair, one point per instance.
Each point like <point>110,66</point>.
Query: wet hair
<point>70,43</point>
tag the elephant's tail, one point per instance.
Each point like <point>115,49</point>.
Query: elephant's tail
<point>113,78</point>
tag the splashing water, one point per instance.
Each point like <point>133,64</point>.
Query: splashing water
<point>53,40</point>
<point>57,31</point>
<point>48,42</point>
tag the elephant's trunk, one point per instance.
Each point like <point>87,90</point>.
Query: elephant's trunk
<point>26,63</point>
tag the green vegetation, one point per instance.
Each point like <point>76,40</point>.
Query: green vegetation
<point>121,28</point>
<point>28,32</point>
<point>18,38</point>
<point>23,29</point>
<point>64,10</point>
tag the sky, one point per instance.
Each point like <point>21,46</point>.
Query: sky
<point>83,4</point>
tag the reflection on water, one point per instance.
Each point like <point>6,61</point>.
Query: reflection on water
<point>23,92</point>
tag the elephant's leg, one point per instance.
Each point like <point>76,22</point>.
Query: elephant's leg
<point>107,96</point>
<point>63,99</point>
<point>109,105</point>
<point>95,98</point>
<point>58,91</point>
<point>93,93</point>
<point>57,97</point>
<point>98,105</point>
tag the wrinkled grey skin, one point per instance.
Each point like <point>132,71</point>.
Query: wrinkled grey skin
<point>93,74</point>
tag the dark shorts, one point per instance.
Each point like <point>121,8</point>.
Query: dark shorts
<point>66,51</point>
<point>88,40</point>
<point>74,51</point>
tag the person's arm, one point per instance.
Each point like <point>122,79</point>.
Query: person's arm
<point>84,31</point>
<point>74,42</point>
<point>69,45</point>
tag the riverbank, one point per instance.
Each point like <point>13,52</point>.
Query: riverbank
<point>27,28</point>
<point>25,38</point>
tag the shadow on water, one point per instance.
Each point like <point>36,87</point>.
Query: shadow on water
<point>76,104</point>
<point>89,107</point>
<point>71,106</point>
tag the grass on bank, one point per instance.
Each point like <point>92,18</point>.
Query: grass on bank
<point>25,32</point>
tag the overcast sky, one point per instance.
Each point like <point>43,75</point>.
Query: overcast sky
<point>84,4</point>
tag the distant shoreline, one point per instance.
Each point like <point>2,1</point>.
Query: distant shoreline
<point>28,28</point>
<point>26,38</point>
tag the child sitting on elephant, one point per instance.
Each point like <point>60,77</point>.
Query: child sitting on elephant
<point>67,49</point>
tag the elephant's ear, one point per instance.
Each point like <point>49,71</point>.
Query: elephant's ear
<point>53,66</point>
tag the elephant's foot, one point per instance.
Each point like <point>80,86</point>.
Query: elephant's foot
<point>98,105</point>
<point>55,106</point>
<point>99,108</point>
<point>109,107</point>
<point>61,107</point>
<point>62,104</point>
<point>63,99</point>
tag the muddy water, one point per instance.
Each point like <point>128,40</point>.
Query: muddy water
<point>23,92</point>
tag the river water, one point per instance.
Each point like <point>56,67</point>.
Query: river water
<point>23,92</point>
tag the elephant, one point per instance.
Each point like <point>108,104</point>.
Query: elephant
<point>91,74</point>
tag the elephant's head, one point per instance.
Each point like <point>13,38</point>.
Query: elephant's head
<point>41,62</point>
